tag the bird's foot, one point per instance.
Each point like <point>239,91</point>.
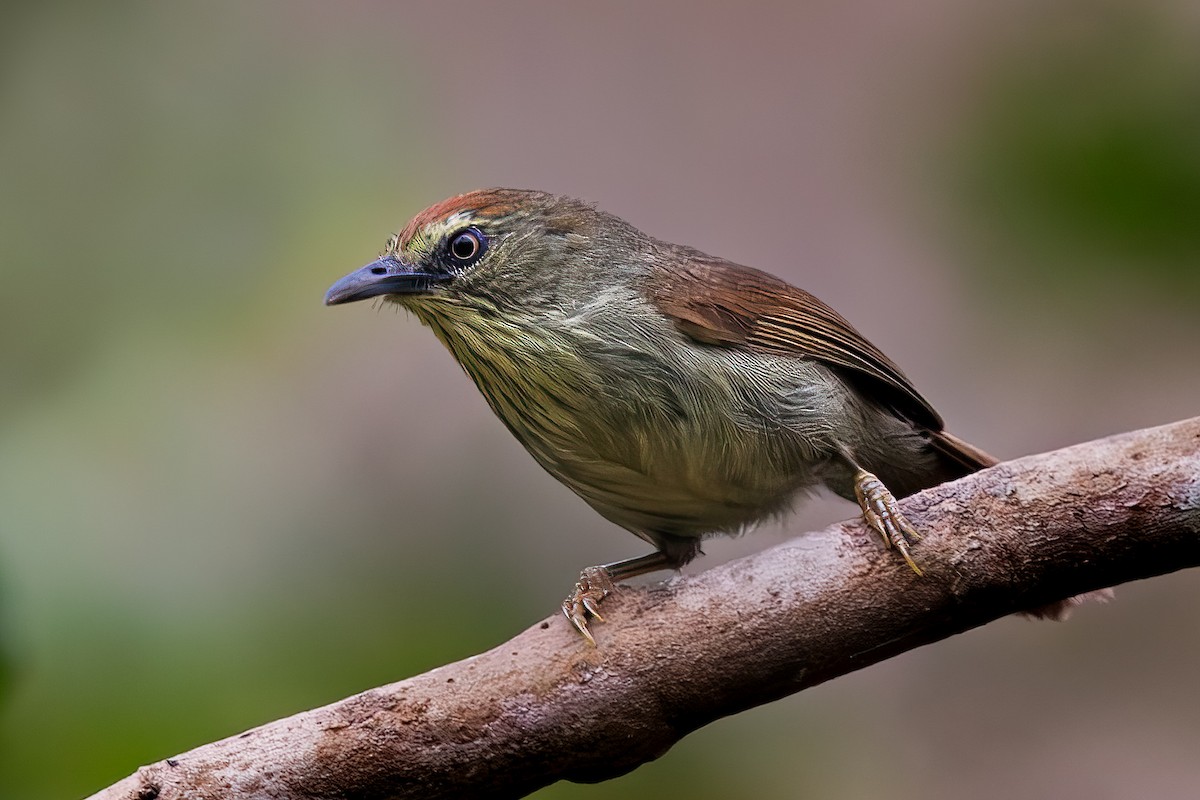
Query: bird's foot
<point>882,513</point>
<point>595,583</point>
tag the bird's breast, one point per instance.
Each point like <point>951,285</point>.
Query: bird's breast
<point>655,440</point>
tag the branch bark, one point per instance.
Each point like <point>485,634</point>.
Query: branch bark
<point>544,706</point>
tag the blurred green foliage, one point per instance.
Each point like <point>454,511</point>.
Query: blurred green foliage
<point>173,178</point>
<point>1083,159</point>
<point>159,160</point>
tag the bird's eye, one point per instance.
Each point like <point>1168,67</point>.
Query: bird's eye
<point>466,247</point>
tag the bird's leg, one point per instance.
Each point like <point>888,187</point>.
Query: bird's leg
<point>882,513</point>
<point>595,583</point>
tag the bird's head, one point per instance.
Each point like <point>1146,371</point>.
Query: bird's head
<point>498,249</point>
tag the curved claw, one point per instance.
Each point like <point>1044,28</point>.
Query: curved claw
<point>593,608</point>
<point>882,513</point>
<point>595,583</point>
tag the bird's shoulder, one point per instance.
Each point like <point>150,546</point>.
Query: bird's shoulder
<point>718,303</point>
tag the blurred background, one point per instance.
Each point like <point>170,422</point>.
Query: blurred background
<point>221,502</point>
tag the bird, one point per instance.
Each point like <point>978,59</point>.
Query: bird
<point>679,394</point>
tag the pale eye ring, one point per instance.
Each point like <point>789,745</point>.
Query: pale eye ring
<point>467,246</point>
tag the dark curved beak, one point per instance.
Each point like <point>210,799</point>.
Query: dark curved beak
<point>388,275</point>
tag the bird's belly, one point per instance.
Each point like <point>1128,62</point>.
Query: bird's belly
<point>682,483</point>
<point>656,445</point>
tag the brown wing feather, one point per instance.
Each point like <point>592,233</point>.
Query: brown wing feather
<point>720,303</point>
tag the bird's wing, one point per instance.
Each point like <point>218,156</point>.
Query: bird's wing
<point>719,303</point>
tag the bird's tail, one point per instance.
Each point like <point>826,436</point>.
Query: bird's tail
<point>953,459</point>
<point>958,457</point>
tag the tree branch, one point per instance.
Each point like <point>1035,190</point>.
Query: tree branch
<point>545,706</point>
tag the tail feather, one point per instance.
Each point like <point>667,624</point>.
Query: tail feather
<point>954,452</point>
<point>1061,610</point>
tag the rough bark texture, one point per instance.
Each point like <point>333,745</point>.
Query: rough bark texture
<point>545,706</point>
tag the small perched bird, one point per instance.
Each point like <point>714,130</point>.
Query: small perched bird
<point>679,394</point>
